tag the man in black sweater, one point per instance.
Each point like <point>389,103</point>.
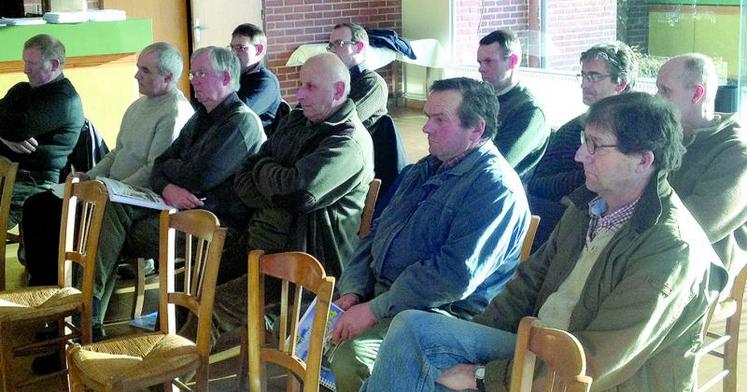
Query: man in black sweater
<point>40,121</point>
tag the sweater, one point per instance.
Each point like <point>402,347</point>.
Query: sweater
<point>522,133</point>
<point>259,89</point>
<point>148,127</point>
<point>557,174</point>
<point>369,92</point>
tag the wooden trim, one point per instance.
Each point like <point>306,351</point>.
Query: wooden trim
<point>700,9</point>
<point>77,62</point>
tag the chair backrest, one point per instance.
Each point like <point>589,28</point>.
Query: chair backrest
<point>200,242</point>
<point>8,171</point>
<point>304,272</point>
<point>389,151</point>
<point>83,206</point>
<point>561,352</point>
<point>368,208</point>
<point>526,247</point>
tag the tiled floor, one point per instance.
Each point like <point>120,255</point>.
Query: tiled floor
<point>409,123</point>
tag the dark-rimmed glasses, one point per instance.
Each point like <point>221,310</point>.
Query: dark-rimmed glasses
<point>592,146</point>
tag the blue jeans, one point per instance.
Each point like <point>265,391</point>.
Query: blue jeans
<point>420,344</point>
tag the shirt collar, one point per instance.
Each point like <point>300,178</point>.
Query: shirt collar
<point>223,107</point>
<point>451,163</point>
<point>611,221</point>
<point>506,90</point>
<point>358,70</point>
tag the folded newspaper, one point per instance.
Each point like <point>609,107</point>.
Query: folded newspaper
<point>137,196</point>
<point>326,378</point>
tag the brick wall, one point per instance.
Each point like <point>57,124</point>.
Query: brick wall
<point>290,23</point>
<point>477,18</point>
<point>632,23</point>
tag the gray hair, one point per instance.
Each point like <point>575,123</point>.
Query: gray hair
<point>622,62</point>
<point>169,59</point>
<point>50,47</point>
<point>222,60</point>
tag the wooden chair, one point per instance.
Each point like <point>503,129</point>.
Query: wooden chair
<point>79,237</point>
<point>305,272</point>
<point>561,352</point>
<point>8,171</point>
<point>139,361</point>
<point>729,311</point>
<point>526,247</point>
<point>368,208</point>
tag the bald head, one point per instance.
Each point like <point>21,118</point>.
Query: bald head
<point>325,84</point>
<point>690,82</point>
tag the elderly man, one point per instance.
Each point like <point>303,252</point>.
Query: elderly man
<point>607,69</point>
<point>627,271</point>
<point>40,121</point>
<point>305,188</point>
<point>196,171</point>
<point>368,90</point>
<point>148,127</point>
<point>258,86</point>
<point>522,133</point>
<point>712,181</point>
<point>450,238</point>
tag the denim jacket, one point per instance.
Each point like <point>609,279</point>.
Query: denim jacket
<point>448,241</point>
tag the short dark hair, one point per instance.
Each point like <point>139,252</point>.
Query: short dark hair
<point>50,47</point>
<point>478,102</point>
<point>642,122</point>
<point>357,31</point>
<point>253,32</point>
<point>622,62</point>
<point>507,41</point>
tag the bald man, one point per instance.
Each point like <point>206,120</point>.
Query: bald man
<point>305,188</point>
<point>712,180</point>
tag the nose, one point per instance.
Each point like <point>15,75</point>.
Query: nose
<point>300,94</point>
<point>138,75</point>
<point>582,154</point>
<point>428,128</point>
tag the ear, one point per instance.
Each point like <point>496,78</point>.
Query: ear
<point>54,65</point>
<point>513,61</point>
<point>359,46</point>
<point>226,78</point>
<point>339,88</point>
<point>647,160</point>
<point>621,86</point>
<point>168,77</point>
<point>477,131</point>
<point>260,49</point>
<point>698,93</point>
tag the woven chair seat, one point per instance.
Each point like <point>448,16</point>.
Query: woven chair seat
<point>132,362</point>
<point>32,303</point>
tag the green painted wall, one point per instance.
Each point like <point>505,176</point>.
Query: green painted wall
<point>82,39</point>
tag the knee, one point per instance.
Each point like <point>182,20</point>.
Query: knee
<point>408,320</point>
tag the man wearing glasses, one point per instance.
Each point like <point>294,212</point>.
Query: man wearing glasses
<point>522,132</point>
<point>368,89</point>
<point>258,86</point>
<point>627,271</point>
<point>606,69</point>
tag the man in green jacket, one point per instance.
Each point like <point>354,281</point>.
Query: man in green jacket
<point>712,180</point>
<point>40,121</point>
<point>305,188</point>
<point>627,271</point>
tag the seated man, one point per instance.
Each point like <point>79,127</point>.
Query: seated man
<point>606,69</point>
<point>368,90</point>
<point>40,121</point>
<point>149,126</point>
<point>450,238</point>
<point>197,170</point>
<point>522,133</point>
<point>259,88</point>
<point>627,271</point>
<point>305,188</point>
<point>712,180</point>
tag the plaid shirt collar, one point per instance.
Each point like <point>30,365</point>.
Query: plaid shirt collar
<point>451,163</point>
<point>611,221</point>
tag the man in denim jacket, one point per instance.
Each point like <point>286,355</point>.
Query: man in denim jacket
<point>449,239</point>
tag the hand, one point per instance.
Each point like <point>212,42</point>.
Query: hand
<point>458,377</point>
<point>348,300</point>
<point>354,322</point>
<point>180,198</point>
<point>25,147</point>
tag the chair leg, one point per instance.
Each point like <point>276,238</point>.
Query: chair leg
<point>730,352</point>
<point>6,360</point>
<point>202,377</point>
<point>137,305</point>
<point>243,361</point>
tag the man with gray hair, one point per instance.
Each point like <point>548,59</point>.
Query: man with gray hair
<point>368,90</point>
<point>712,181</point>
<point>148,127</point>
<point>305,188</point>
<point>607,69</point>
<point>40,121</point>
<point>196,171</point>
